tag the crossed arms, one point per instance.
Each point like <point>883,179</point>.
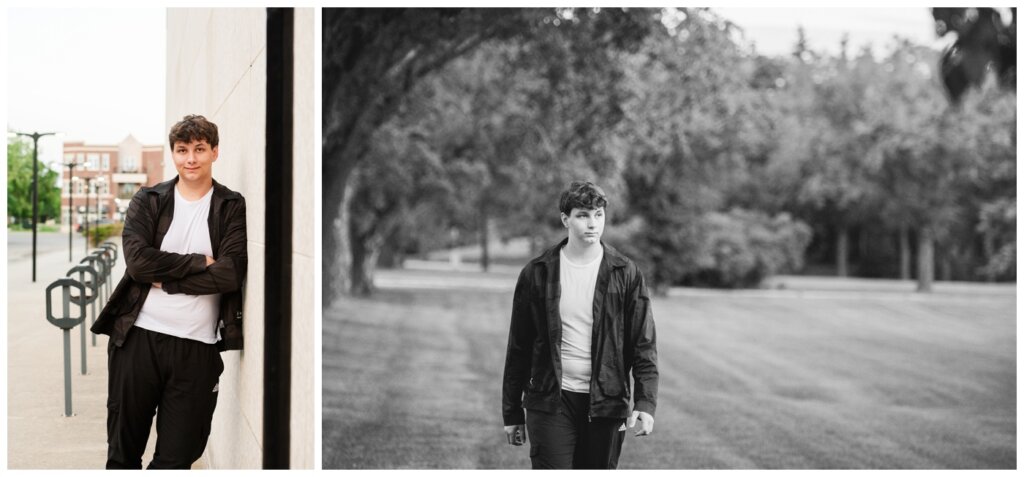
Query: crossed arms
<point>184,273</point>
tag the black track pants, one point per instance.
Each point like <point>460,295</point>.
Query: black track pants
<point>567,439</point>
<point>174,378</point>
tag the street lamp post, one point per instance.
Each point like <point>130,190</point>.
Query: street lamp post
<point>101,180</point>
<point>35,191</point>
<point>71,203</point>
<point>88,188</point>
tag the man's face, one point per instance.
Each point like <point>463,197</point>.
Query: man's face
<point>194,161</point>
<point>585,225</point>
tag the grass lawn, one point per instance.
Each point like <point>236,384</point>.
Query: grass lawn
<point>412,379</point>
<point>40,228</point>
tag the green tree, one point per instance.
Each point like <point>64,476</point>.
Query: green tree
<point>837,188</point>
<point>397,183</point>
<point>490,123</point>
<point>19,180</point>
<point>19,185</point>
<point>372,59</point>
<point>697,134</point>
<point>947,173</point>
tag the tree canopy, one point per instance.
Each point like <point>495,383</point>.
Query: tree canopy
<point>723,166</point>
<point>19,185</point>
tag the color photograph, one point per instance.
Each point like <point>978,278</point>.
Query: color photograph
<point>160,251</point>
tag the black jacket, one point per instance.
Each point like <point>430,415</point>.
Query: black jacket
<point>147,221</point>
<point>623,341</point>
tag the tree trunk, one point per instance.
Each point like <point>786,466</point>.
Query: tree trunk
<point>863,243</point>
<point>842,250</point>
<point>925,260</point>
<point>904,252</point>
<point>365,252</point>
<point>988,243</point>
<point>485,252</point>
<point>337,257</point>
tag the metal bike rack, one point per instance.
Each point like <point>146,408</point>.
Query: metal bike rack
<point>108,260</point>
<point>100,265</point>
<point>112,246</point>
<point>66,322</point>
<point>93,286</point>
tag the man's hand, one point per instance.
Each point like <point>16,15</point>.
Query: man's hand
<point>646,423</point>
<point>210,261</point>
<point>157,285</point>
<point>516,434</point>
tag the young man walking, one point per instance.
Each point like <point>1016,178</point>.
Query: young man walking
<point>581,325</point>
<point>178,305</point>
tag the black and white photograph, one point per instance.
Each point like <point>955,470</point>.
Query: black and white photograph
<point>669,238</point>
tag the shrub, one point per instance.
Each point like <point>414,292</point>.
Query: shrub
<point>731,249</point>
<point>99,233</point>
<point>741,248</point>
<point>999,220</point>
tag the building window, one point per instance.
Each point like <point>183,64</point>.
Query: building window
<point>127,191</point>
<point>93,160</point>
<point>105,162</point>
<point>129,164</point>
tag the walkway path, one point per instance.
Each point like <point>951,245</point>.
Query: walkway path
<point>38,434</point>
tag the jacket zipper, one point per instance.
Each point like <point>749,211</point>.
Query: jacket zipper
<point>595,337</point>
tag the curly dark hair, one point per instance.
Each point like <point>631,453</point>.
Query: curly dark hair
<point>582,195</point>
<point>193,128</point>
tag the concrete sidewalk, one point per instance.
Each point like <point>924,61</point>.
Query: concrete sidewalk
<point>38,434</point>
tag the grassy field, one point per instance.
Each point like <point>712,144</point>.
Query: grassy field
<point>40,228</point>
<point>412,379</point>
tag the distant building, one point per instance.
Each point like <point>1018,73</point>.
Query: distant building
<point>113,174</point>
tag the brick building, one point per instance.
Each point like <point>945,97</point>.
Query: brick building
<point>113,173</point>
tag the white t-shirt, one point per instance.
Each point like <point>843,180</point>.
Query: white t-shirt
<point>185,316</point>
<point>576,307</point>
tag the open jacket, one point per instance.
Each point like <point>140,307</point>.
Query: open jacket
<point>147,221</point>
<point>623,341</point>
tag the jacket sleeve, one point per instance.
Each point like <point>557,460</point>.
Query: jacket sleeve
<point>146,263</point>
<point>228,272</point>
<point>518,354</point>
<point>645,350</point>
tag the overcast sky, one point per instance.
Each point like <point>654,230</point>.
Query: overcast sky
<point>774,30</point>
<point>93,74</point>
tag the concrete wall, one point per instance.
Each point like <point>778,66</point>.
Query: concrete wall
<point>303,390</point>
<point>216,66</point>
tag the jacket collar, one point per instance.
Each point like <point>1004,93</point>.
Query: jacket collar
<point>612,256</point>
<point>220,191</point>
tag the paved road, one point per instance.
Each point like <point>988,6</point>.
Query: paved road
<point>412,378</point>
<point>19,246</point>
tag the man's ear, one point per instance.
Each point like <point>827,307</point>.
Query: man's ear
<point>216,152</point>
<point>565,220</point>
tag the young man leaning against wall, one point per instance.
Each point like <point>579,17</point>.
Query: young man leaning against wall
<point>177,307</point>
